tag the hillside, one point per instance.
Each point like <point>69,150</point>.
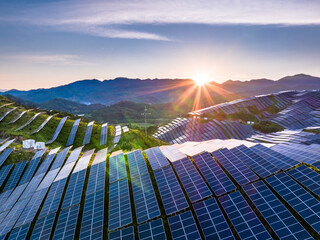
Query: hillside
<point>8,129</point>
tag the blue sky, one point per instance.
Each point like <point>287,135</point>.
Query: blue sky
<point>49,43</point>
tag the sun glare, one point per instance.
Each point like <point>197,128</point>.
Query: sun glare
<point>201,79</point>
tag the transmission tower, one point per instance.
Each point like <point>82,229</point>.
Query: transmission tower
<point>145,113</point>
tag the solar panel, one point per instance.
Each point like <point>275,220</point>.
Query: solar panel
<point>74,155</point>
<point>32,186</point>
<point>212,221</point>
<point>4,172</point>
<point>48,179</point>
<point>145,200</point>
<point>17,117</point>
<point>245,221</point>
<point>74,189</point>
<point>119,205</point>
<point>237,169</point>
<point>39,154</point>
<point>96,178</point>
<point>6,144</point>
<point>298,198</point>
<point>125,233</point>
<point>12,216</point>
<point>19,233</point>
<point>29,121</point>
<point>307,177</point>
<point>5,155</point>
<point>104,132</point>
<point>276,158</point>
<point>73,132</point>
<point>93,214</point>
<point>6,113</point>
<point>32,207</point>
<point>12,199</point>
<point>278,216</point>
<point>43,227</point>
<point>152,230</point>
<point>117,168</point>
<point>316,164</point>
<point>47,161</point>
<point>42,125</point>
<point>58,130</point>
<point>67,222</point>
<point>53,198</point>
<point>183,226</point>
<point>31,169</point>
<point>171,193</point>
<point>137,165</point>
<point>191,180</point>
<point>156,158</point>
<point>58,162</point>
<point>4,196</point>
<point>172,153</point>
<point>15,175</point>
<point>214,175</point>
<point>87,135</point>
<point>258,164</point>
<point>65,171</point>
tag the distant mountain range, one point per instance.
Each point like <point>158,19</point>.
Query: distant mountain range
<point>159,91</point>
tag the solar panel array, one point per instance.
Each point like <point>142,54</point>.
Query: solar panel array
<point>156,158</point>
<point>5,155</point>
<point>73,132</point>
<point>137,165</point>
<point>15,175</point>
<point>58,130</point>
<point>104,134</point>
<point>117,168</point>
<point>87,136</point>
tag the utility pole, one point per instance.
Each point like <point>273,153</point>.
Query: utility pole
<point>145,113</point>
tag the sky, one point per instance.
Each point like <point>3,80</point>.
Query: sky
<point>46,43</point>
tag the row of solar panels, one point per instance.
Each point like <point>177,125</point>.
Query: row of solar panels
<point>199,198</point>
<point>189,129</point>
<point>87,137</point>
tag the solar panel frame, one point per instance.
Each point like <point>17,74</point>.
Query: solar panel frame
<point>212,221</point>
<point>243,218</point>
<point>219,182</point>
<point>172,196</point>
<point>137,164</point>
<point>67,222</point>
<point>152,230</point>
<point>119,205</point>
<point>277,215</point>
<point>145,201</point>
<point>183,226</point>
<point>192,181</point>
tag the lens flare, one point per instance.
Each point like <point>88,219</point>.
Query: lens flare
<point>202,79</point>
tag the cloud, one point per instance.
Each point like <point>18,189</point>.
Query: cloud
<point>48,59</point>
<point>110,18</point>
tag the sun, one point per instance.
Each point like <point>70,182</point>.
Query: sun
<point>201,79</point>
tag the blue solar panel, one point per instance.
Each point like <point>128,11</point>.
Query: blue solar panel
<point>258,164</point>
<point>307,177</point>
<point>274,157</point>
<point>298,198</point>
<point>93,214</point>
<point>15,175</point>
<point>46,163</point>
<point>126,233</point>
<point>119,205</point>
<point>8,203</point>
<point>183,226</point>
<point>237,169</point>
<point>171,193</point>
<point>67,222</point>
<point>19,233</point>
<point>58,162</point>
<point>156,158</point>
<point>145,200</point>
<point>192,181</point>
<point>212,221</point>
<point>87,135</point>
<point>4,172</point>
<point>11,218</point>
<point>31,209</point>
<point>137,165</point>
<point>31,169</point>
<point>53,198</point>
<point>104,132</point>
<point>316,164</point>
<point>295,153</point>
<point>58,129</point>
<point>32,186</point>
<point>4,196</point>
<point>152,230</point>
<point>245,221</point>
<point>5,155</point>
<point>215,176</point>
<point>97,177</point>
<point>43,227</point>
<point>117,168</point>
<point>74,189</point>
<point>278,216</point>
<point>73,132</point>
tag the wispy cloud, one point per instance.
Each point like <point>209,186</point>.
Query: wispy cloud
<point>103,18</point>
<point>47,59</point>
